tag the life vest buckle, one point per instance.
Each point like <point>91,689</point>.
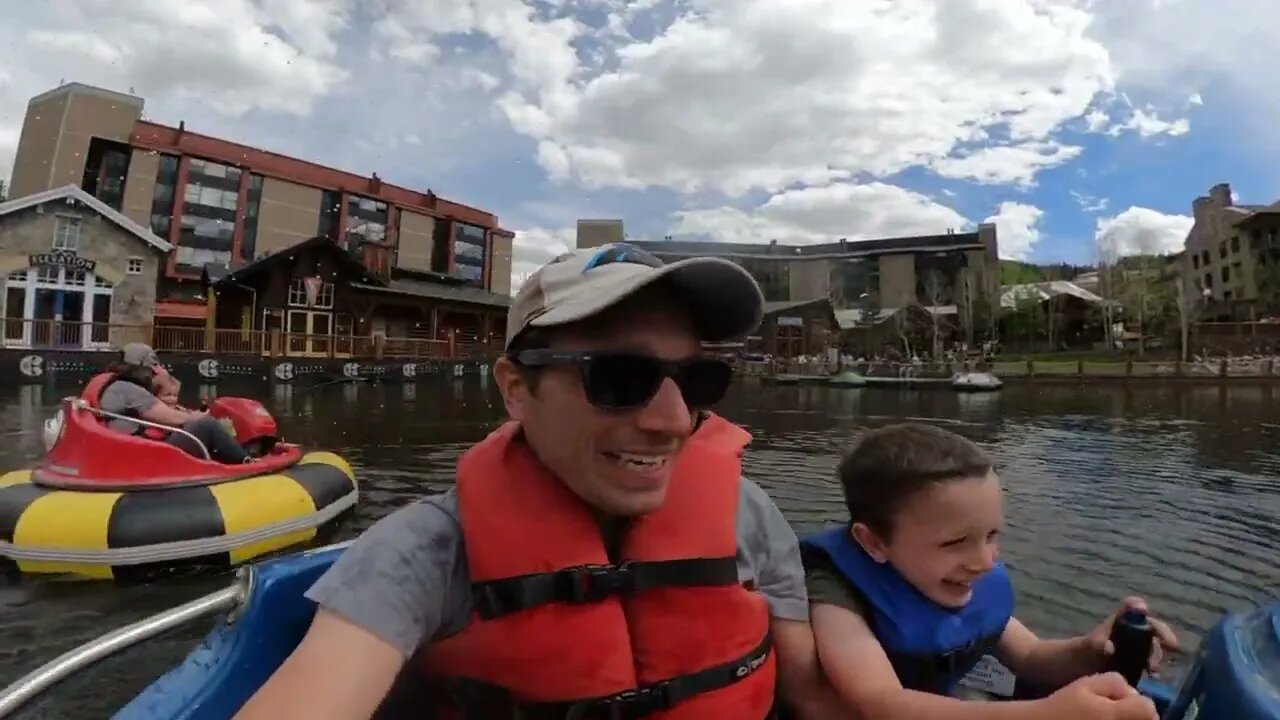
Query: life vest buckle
<point>593,583</point>
<point>626,705</point>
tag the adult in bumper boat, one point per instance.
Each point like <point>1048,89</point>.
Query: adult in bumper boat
<point>132,394</point>
<point>600,554</point>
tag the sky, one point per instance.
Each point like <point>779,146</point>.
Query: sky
<point>1078,127</point>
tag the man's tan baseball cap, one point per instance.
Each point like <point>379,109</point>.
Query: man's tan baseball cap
<point>725,302</point>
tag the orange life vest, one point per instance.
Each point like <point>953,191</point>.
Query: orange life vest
<point>559,631</point>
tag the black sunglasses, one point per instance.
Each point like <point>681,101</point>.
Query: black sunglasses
<point>627,381</point>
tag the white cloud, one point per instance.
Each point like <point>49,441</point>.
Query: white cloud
<point>392,38</point>
<point>743,94</point>
<point>1147,123</point>
<point>535,247</point>
<point>1141,231</point>
<point>1006,165</point>
<point>231,57</point>
<point>1016,229</point>
<point>1217,45</point>
<point>824,214</point>
<point>1089,203</point>
<point>809,101</point>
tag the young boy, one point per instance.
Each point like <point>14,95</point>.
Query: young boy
<point>909,596</point>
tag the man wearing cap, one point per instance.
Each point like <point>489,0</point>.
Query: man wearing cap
<point>600,555</point>
<point>132,395</point>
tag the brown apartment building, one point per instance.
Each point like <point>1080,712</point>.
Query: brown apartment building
<point>223,205</point>
<point>1233,251</point>
<point>865,281</point>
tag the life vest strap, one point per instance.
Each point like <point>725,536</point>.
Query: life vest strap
<point>593,583</point>
<point>478,699</point>
<point>938,673</point>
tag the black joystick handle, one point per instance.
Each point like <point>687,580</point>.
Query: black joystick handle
<point>1132,636</point>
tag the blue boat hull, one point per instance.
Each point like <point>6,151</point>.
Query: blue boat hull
<point>1236,675</point>
<point>241,652</point>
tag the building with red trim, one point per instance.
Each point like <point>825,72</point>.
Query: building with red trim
<point>225,205</point>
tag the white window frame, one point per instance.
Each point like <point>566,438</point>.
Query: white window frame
<point>66,232</point>
<point>87,283</point>
<point>135,265</point>
<point>298,295</point>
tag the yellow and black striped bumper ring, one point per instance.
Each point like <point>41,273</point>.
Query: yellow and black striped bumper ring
<point>119,534</point>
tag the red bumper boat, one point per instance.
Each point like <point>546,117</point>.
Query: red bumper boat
<point>88,455</point>
<point>105,504</point>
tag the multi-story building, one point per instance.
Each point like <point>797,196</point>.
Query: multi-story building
<point>931,270</point>
<point>952,275</point>
<point>1232,251</point>
<point>221,204</point>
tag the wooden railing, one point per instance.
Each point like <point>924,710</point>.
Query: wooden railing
<point>1250,367</point>
<point>62,335</point>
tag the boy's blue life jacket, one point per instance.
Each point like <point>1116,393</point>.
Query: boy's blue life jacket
<point>930,646</point>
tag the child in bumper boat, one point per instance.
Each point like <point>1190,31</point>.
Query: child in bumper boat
<point>908,596</point>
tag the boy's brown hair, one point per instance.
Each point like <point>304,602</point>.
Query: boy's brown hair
<point>890,464</point>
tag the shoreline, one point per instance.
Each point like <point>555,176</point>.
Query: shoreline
<point>47,365</point>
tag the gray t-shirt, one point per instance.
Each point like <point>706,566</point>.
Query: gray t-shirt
<point>126,398</point>
<point>405,578</point>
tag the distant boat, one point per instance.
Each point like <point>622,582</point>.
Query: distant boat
<point>975,382</point>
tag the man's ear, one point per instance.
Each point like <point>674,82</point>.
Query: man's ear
<point>871,542</point>
<point>513,383</point>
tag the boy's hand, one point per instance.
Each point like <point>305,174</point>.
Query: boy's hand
<point>1097,697</point>
<point>1100,637</point>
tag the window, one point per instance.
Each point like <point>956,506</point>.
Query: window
<point>1195,262</point>
<point>1222,250</point>
<point>469,248</point>
<point>1204,257</point>
<point>214,170</point>
<point>1226,274</point>
<point>135,266</point>
<point>856,281</point>
<point>105,169</point>
<point>1227,295</point>
<point>162,201</point>
<point>208,218</point>
<point>213,197</point>
<point>1208,280</point>
<point>366,221</point>
<point>1235,244</point>
<point>773,276</point>
<point>936,277</point>
<point>298,294</point>
<point>66,233</point>
<point>250,239</point>
<point>330,208</point>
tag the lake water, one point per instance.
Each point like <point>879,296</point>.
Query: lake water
<point>1166,492</point>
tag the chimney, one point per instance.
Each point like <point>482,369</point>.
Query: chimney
<point>375,184</point>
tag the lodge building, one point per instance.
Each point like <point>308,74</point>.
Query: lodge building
<point>192,213</point>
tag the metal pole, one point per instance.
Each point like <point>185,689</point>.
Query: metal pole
<point>60,668</point>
